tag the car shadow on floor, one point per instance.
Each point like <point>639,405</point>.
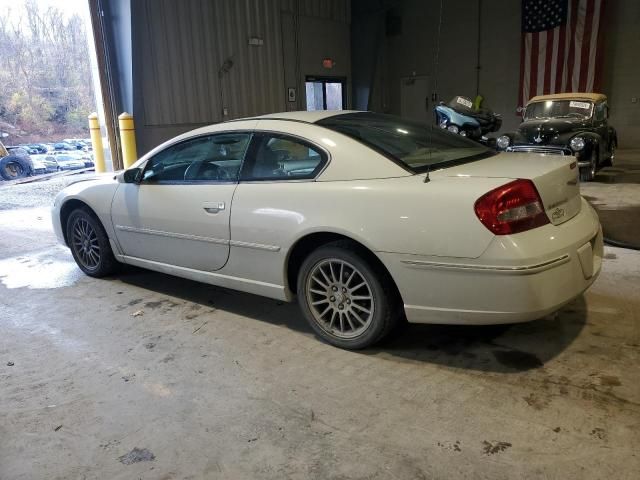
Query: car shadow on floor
<point>495,348</point>
<point>490,348</point>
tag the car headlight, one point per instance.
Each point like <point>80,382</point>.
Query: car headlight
<point>503,142</point>
<point>577,144</point>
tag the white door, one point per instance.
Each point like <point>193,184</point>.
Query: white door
<point>179,212</point>
<point>414,99</point>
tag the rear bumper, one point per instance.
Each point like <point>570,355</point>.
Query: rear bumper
<point>517,279</point>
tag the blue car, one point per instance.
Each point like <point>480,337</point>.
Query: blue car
<point>462,117</point>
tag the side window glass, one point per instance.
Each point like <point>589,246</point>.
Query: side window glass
<point>211,158</point>
<point>600,112</point>
<point>280,157</point>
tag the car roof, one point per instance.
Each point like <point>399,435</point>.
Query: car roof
<point>593,97</point>
<point>301,116</point>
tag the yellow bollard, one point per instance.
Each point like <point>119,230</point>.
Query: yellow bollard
<point>127,139</point>
<point>96,142</point>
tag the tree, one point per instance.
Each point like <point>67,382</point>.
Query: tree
<point>45,75</point>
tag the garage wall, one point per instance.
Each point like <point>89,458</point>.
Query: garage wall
<point>181,80</point>
<point>117,15</point>
<point>497,24</point>
<point>622,69</point>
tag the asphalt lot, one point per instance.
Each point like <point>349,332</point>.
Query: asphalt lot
<point>144,375</point>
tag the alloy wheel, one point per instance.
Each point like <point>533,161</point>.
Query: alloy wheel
<point>340,298</point>
<point>85,243</point>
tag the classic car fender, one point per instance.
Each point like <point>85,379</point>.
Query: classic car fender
<point>613,135</point>
<point>591,141</point>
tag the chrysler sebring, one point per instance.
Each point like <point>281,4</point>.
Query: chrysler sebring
<point>365,218</point>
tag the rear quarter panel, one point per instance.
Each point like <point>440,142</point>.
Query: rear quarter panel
<point>403,215</point>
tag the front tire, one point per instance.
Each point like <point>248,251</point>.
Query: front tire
<point>587,174</point>
<point>89,244</point>
<point>349,301</point>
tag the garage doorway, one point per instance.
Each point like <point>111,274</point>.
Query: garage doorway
<point>325,93</point>
<point>414,98</point>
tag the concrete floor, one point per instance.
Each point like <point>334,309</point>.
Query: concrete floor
<point>148,376</point>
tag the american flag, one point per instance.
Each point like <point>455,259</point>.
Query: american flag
<point>561,47</point>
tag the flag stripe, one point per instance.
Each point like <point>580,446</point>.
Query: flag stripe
<point>526,85</point>
<point>548,57</point>
<point>568,44</point>
<point>542,55</point>
<point>593,47</point>
<point>560,63</point>
<point>573,46</point>
<point>586,43</point>
<point>533,83</point>
<point>599,67</point>
<point>522,99</point>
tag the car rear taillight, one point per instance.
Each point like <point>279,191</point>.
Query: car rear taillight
<point>511,208</point>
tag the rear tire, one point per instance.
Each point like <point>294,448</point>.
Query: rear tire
<point>349,301</point>
<point>13,167</point>
<point>587,174</point>
<point>89,244</point>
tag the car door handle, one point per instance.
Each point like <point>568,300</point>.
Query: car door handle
<point>213,207</point>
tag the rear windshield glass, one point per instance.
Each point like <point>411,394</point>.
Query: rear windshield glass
<point>413,145</point>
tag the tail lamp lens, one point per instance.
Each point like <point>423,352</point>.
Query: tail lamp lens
<point>511,208</point>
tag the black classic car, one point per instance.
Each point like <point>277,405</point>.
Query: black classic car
<point>573,124</point>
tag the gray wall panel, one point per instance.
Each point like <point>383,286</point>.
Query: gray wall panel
<point>179,48</point>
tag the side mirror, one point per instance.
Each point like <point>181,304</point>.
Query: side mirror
<point>132,175</point>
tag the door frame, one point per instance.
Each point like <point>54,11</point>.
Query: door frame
<point>428,101</point>
<point>327,79</point>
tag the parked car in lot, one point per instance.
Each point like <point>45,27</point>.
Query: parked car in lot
<point>573,124</point>
<point>15,163</point>
<point>39,167</point>
<point>50,163</point>
<point>76,143</point>
<point>69,162</point>
<point>365,218</point>
<point>86,157</point>
<point>29,149</point>
<point>63,146</point>
<point>39,147</point>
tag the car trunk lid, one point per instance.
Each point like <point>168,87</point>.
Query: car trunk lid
<point>555,178</point>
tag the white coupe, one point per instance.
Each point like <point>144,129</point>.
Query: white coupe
<point>365,218</point>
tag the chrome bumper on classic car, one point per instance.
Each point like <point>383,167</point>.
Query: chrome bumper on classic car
<point>547,150</point>
<point>544,149</point>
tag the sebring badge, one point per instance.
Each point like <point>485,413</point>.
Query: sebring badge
<point>538,139</point>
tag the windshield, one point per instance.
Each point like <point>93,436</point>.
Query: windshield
<point>413,145</point>
<point>559,109</point>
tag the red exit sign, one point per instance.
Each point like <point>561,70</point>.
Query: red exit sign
<point>327,63</point>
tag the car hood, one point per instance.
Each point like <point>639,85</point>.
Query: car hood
<point>107,177</point>
<point>549,129</point>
